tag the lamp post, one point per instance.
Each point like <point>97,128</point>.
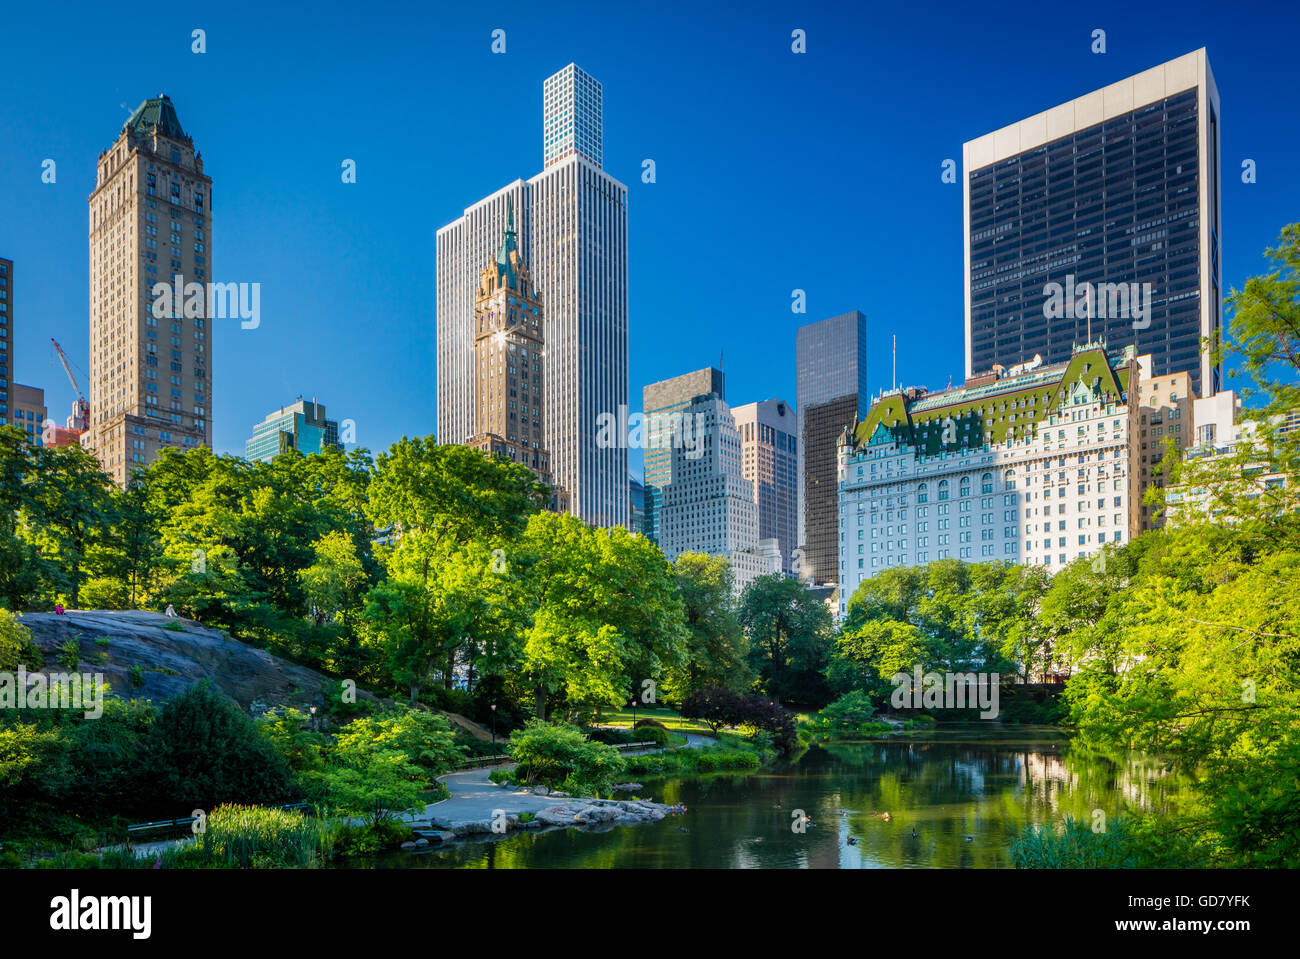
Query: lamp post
<point>494,726</point>
<point>634,712</point>
<point>313,719</point>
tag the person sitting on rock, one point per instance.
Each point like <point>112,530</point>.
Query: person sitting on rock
<point>58,609</point>
<point>171,611</point>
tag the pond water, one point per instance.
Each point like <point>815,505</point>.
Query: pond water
<point>945,785</point>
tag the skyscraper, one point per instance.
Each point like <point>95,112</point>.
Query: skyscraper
<point>1118,187</point>
<point>572,232</point>
<point>770,461</point>
<point>572,116</point>
<point>830,364</point>
<point>509,377</point>
<point>300,426</point>
<point>663,404</point>
<point>708,505</point>
<point>150,222</point>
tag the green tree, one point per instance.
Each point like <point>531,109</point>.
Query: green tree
<point>72,511</point>
<point>789,633</point>
<point>203,750</point>
<point>717,650</point>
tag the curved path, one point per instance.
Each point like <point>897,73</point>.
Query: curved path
<point>475,797</point>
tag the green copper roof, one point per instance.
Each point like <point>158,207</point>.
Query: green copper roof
<point>1008,408</point>
<point>505,268</point>
<point>156,113</point>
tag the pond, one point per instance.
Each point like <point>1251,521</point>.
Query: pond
<point>966,793</point>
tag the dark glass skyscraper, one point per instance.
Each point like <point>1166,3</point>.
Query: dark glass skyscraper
<point>1119,187</point>
<point>830,364</point>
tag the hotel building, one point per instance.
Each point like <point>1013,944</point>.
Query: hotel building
<point>150,221</point>
<point>1120,186</point>
<point>1034,465</point>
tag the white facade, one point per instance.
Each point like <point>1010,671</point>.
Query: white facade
<point>572,223</point>
<point>708,505</point>
<point>1057,494</point>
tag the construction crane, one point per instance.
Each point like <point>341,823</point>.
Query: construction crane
<point>80,418</point>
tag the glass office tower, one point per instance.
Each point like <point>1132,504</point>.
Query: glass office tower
<point>830,364</point>
<point>1117,187</point>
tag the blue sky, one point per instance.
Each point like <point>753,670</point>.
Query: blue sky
<point>775,171</point>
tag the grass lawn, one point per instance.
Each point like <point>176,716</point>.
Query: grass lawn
<point>623,717</point>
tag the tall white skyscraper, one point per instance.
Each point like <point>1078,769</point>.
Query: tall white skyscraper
<point>572,225</point>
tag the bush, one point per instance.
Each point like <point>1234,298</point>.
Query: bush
<point>555,753</point>
<point>203,751</point>
<point>852,709</point>
<point>452,700</point>
<point>16,645</point>
<point>656,734</point>
<point>69,654</point>
<point>610,736</point>
<point>651,723</point>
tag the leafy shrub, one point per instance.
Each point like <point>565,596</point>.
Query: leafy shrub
<point>136,674</point>
<point>425,738</point>
<point>554,753</point>
<point>852,709</point>
<point>656,734</point>
<point>611,736</point>
<point>69,654</point>
<point>718,706</point>
<point>16,645</point>
<point>452,700</point>
<point>335,705</point>
<point>203,750</point>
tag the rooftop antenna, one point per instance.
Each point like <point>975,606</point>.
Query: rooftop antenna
<point>1087,300</point>
<point>894,373</point>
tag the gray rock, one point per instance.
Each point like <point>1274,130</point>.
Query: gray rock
<point>541,790</point>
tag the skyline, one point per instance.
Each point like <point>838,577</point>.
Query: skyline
<point>357,260</point>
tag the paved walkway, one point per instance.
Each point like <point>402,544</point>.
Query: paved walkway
<point>475,797</point>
